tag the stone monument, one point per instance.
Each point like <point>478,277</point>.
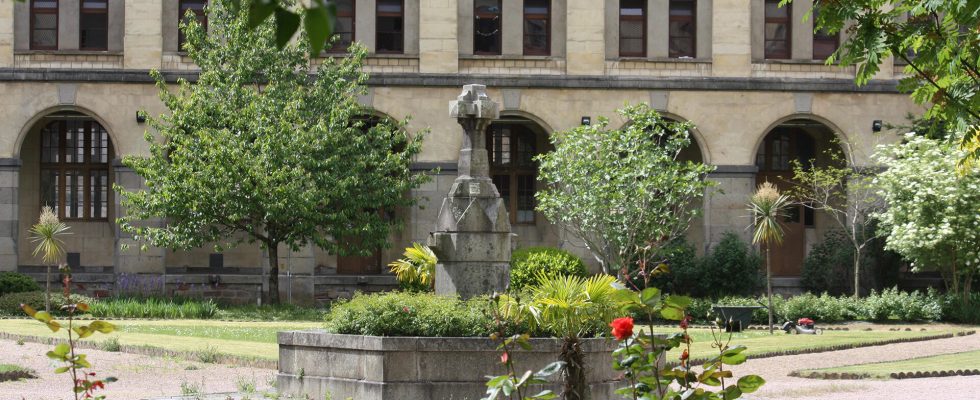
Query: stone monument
<point>472,237</point>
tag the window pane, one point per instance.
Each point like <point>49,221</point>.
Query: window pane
<point>773,10</point>
<point>94,32</point>
<point>49,188</point>
<point>502,182</point>
<point>344,7</point>
<point>631,29</point>
<point>94,4</point>
<point>682,8</point>
<point>500,146</point>
<point>44,4</point>
<point>525,198</point>
<point>74,200</point>
<point>539,7</point>
<point>536,36</point>
<point>487,6</point>
<point>50,139</point>
<point>98,201</point>
<point>525,149</point>
<point>390,6</point>
<point>631,7</point>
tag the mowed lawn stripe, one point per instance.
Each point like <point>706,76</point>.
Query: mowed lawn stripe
<point>942,362</point>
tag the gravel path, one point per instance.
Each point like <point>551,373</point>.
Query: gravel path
<point>139,376</point>
<point>781,386</point>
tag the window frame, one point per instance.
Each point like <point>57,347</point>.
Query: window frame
<point>819,36</point>
<point>643,36</point>
<point>513,171</point>
<point>377,31</point>
<point>694,35</point>
<point>83,169</point>
<point>338,47</point>
<point>500,29</point>
<point>548,28</point>
<point>81,12</point>
<point>57,23</point>
<point>202,18</point>
<point>788,22</point>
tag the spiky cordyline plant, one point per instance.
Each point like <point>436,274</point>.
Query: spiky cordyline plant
<point>569,307</point>
<point>768,207</point>
<point>46,235</point>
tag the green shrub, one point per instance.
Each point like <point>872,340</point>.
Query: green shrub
<point>411,314</point>
<point>732,268</point>
<point>525,264</point>
<point>904,306</point>
<point>954,310</point>
<point>829,265</point>
<point>175,308</point>
<point>10,303</point>
<point>12,282</point>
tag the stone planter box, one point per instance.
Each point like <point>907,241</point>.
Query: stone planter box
<point>313,363</point>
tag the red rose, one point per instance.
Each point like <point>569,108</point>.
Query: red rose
<point>622,328</point>
<point>684,355</point>
<point>504,358</point>
<point>685,321</point>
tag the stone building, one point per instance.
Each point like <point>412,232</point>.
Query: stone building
<point>749,75</point>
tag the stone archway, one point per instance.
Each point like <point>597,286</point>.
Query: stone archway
<point>808,142</point>
<point>66,163</point>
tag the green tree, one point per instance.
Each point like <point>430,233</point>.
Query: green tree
<point>768,208</point>
<point>46,235</point>
<point>261,149</point>
<point>846,194</point>
<point>622,191</point>
<point>931,217</point>
<point>938,40</point>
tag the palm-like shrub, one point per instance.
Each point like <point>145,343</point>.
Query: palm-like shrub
<point>569,307</point>
<point>417,270</point>
<point>46,235</point>
<point>768,208</point>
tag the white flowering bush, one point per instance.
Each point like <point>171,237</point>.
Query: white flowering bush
<point>933,209</point>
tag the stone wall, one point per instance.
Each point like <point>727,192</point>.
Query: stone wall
<point>314,363</point>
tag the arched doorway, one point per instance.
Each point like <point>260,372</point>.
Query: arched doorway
<point>809,143</point>
<point>66,165</point>
<point>512,143</point>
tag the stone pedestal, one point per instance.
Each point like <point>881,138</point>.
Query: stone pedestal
<point>473,236</point>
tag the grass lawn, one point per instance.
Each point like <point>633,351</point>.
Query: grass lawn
<point>761,342</point>
<point>882,370</point>
<point>11,372</point>
<point>244,339</point>
<point>258,339</point>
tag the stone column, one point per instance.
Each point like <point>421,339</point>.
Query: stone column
<point>725,206</point>
<point>9,212</point>
<point>143,39</point>
<point>438,40</point>
<point>7,18</point>
<point>585,45</point>
<point>473,236</point>
<point>732,32</point>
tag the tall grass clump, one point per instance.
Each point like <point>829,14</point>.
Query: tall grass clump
<point>176,308</point>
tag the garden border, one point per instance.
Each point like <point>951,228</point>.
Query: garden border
<point>152,351</point>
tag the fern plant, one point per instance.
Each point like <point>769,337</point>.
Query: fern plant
<point>417,270</point>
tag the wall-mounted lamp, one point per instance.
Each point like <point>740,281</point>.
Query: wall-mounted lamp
<point>140,117</point>
<point>876,126</point>
<point>586,120</point>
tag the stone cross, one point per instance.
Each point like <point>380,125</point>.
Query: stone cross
<point>474,110</point>
<point>473,236</point>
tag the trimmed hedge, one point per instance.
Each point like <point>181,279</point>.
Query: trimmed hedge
<point>525,264</point>
<point>411,314</point>
<point>12,282</point>
<point>10,303</point>
<point>889,304</point>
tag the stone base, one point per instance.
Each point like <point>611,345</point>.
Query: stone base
<point>468,279</point>
<point>314,363</point>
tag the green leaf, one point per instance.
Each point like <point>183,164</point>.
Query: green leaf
<point>61,370</point>
<point>496,380</point>
<point>287,23</point>
<point>750,383</point>
<point>672,313</point>
<point>42,316</point>
<point>650,296</point>
<point>62,349</point>
<point>83,331</point>
<point>681,302</point>
<point>259,11</point>
<point>734,355</point>
<point>319,26</point>
<point>551,369</point>
<point>102,326</point>
<point>732,392</point>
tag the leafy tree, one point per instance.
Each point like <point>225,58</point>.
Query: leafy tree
<point>768,208</point>
<point>622,191</point>
<point>847,195</point>
<point>931,216</point>
<point>938,40</point>
<point>261,150</point>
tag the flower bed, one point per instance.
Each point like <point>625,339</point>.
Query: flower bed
<point>315,363</point>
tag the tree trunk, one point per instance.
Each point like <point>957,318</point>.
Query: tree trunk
<point>47,290</point>
<point>857,273</point>
<point>272,297</point>
<point>769,285</point>
<point>576,388</point>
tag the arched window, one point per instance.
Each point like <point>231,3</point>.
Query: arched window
<point>782,146</point>
<point>512,147</point>
<point>75,154</point>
